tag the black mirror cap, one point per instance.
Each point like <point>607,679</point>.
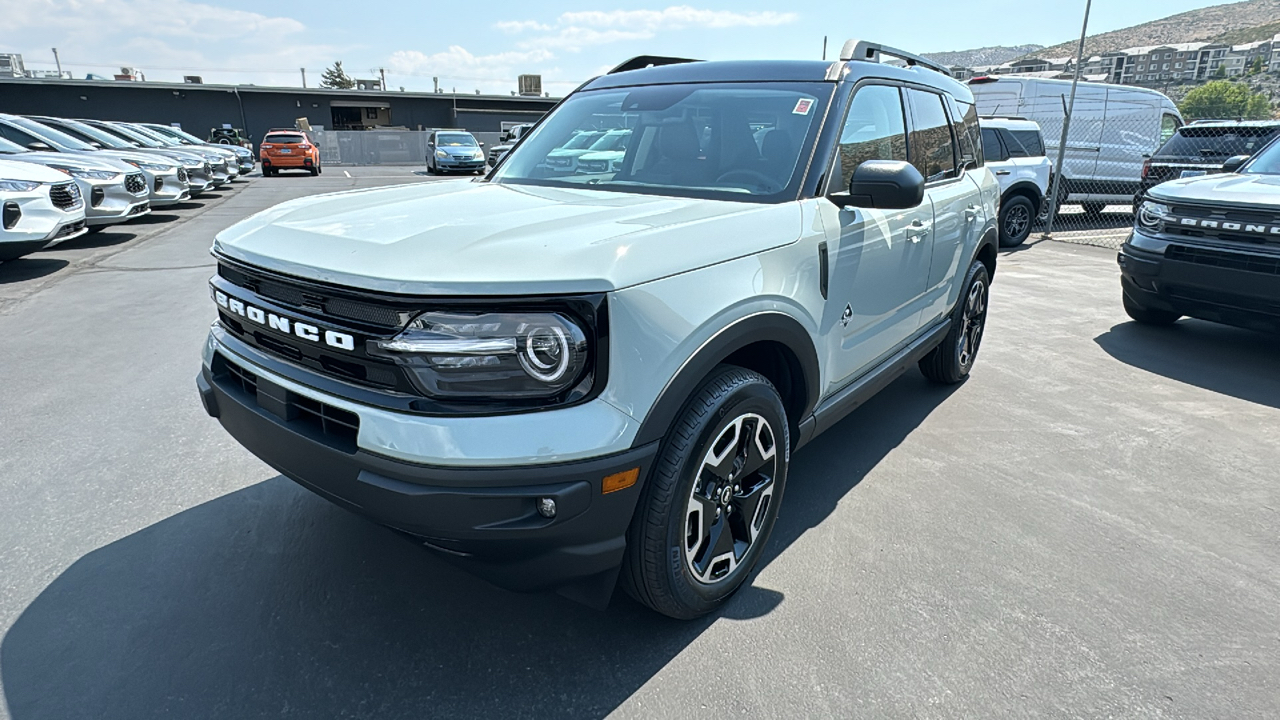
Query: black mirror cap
<point>884,185</point>
<point>1234,163</point>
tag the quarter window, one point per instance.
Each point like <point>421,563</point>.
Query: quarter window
<point>968,131</point>
<point>874,129</point>
<point>932,147</point>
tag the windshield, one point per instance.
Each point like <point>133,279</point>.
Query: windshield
<point>731,141</point>
<point>10,148</point>
<point>59,140</point>
<point>1266,162</point>
<point>178,134</point>
<point>1216,142</point>
<point>456,140</point>
<point>92,134</point>
<point>150,134</point>
<point>128,134</point>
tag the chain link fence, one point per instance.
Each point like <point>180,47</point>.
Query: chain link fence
<point>381,147</point>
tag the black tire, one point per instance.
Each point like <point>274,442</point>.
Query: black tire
<point>951,361</point>
<point>1042,217</point>
<point>1016,217</point>
<point>1093,209</point>
<point>315,170</point>
<point>1146,315</point>
<point>660,569</point>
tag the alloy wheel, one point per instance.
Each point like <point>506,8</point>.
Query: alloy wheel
<point>730,498</point>
<point>1016,221</point>
<point>974,321</point>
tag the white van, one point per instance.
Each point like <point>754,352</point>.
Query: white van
<point>1113,129</point>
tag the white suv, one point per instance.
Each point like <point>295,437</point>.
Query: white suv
<point>560,379</point>
<point>1014,150</point>
<point>38,206</point>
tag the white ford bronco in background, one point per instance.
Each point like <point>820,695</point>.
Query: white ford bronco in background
<point>1014,151</point>
<point>562,380</point>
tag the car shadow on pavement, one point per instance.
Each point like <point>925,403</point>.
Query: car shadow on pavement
<point>100,239</point>
<point>271,601</point>
<point>29,268</point>
<point>1220,358</point>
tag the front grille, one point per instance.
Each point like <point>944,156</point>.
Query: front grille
<point>182,174</point>
<point>1244,262</point>
<point>337,427</point>
<point>314,299</point>
<point>139,209</point>
<point>1242,217</point>
<point>135,183</point>
<point>65,196</point>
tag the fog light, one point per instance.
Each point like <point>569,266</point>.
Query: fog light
<point>546,507</point>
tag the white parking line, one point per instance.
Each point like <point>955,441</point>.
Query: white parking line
<point>344,172</point>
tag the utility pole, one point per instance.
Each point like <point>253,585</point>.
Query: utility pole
<point>383,73</point>
<point>1066,123</point>
<point>304,76</point>
<point>57,62</point>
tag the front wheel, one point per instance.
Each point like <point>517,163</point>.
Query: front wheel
<point>1015,221</point>
<point>951,361</point>
<point>706,513</point>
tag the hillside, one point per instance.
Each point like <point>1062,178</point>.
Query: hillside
<point>993,55</point>
<point>1241,19</point>
<point>1248,35</point>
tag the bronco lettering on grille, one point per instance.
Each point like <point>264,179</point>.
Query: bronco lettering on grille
<point>281,323</point>
<point>1230,226</point>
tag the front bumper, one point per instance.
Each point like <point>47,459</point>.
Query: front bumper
<point>39,223</point>
<point>1229,285</point>
<point>460,164</point>
<point>483,518</point>
<point>167,189</point>
<point>107,202</point>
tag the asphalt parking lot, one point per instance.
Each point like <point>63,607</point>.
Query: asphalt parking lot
<point>1085,528</point>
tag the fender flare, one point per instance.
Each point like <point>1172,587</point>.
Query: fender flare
<point>766,326</point>
<point>1027,185</point>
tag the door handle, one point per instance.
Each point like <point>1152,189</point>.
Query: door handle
<point>971,212</point>
<point>916,231</point>
<point>1003,172</point>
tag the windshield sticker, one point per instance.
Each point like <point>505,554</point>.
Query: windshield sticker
<point>802,106</point>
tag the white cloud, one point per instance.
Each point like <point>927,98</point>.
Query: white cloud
<point>165,38</point>
<point>573,31</point>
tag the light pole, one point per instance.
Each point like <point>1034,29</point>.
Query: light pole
<point>1066,123</point>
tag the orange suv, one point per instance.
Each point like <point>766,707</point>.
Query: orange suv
<point>288,149</point>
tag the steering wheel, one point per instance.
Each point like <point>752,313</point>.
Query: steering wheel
<point>764,181</point>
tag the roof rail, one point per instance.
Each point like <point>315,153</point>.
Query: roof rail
<point>867,51</point>
<point>1002,117</point>
<point>644,61</point>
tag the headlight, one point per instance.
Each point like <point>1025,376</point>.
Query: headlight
<point>150,167</point>
<point>18,185</point>
<point>492,355</point>
<point>87,174</point>
<point>442,154</point>
<point>1152,216</point>
<point>192,164</point>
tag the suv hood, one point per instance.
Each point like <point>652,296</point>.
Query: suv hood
<point>1261,191</point>
<point>81,161</point>
<point>487,239</point>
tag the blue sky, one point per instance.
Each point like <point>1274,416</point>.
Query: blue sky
<point>484,45</point>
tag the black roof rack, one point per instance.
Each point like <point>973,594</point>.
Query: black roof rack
<point>866,51</point>
<point>644,61</point>
<point>1002,117</point>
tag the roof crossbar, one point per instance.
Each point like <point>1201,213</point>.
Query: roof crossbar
<point>867,51</point>
<point>644,61</point>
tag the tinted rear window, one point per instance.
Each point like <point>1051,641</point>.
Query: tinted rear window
<point>285,139</point>
<point>1218,143</point>
<point>1029,140</point>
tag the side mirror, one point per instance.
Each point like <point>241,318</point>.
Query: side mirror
<point>884,185</point>
<point>481,144</point>
<point>37,145</point>
<point>1234,163</point>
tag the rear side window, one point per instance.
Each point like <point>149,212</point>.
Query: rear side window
<point>1028,142</point>
<point>874,129</point>
<point>1168,126</point>
<point>284,139</point>
<point>992,149</point>
<point>932,146</point>
<point>1216,143</point>
<point>969,132</point>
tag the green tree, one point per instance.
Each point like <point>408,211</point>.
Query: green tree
<point>1225,99</point>
<point>1221,72</point>
<point>336,77</point>
<point>1255,67</point>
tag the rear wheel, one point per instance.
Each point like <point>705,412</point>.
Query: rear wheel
<point>951,361</point>
<point>712,498</point>
<point>1146,315</point>
<point>1015,221</point>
